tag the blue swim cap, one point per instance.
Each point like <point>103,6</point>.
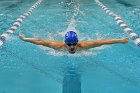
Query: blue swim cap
<point>71,37</point>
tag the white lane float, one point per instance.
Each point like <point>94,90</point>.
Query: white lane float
<point>17,23</point>
<point>121,23</point>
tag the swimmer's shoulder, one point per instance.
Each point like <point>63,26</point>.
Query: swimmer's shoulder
<point>81,44</point>
<point>58,45</point>
<point>61,45</point>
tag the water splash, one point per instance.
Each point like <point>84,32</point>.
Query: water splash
<point>75,8</point>
<point>62,52</point>
<point>72,25</point>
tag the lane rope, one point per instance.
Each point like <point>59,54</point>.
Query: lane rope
<point>17,23</point>
<point>121,23</point>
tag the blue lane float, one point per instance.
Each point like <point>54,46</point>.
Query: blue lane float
<point>121,23</point>
<point>17,23</point>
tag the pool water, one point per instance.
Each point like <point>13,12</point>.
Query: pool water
<point>27,68</point>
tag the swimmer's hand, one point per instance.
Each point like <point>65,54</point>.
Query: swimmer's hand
<point>125,40</point>
<point>21,36</point>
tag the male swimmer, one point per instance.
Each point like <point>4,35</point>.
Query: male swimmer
<point>72,43</point>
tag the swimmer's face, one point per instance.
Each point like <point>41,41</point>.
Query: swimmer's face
<point>72,47</point>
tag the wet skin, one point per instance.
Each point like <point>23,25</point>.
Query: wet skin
<point>72,48</point>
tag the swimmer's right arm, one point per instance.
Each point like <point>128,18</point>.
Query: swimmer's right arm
<point>47,43</point>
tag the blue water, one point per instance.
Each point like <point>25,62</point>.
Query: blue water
<point>27,68</point>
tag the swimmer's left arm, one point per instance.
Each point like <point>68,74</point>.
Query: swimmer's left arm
<point>97,43</point>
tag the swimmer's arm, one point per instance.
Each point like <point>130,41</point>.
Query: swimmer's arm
<point>47,43</point>
<point>97,43</point>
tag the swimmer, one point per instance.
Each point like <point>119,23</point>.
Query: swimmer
<point>72,43</point>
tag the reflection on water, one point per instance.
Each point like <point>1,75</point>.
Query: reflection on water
<point>124,3</point>
<point>71,81</point>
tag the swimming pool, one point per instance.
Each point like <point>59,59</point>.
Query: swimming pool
<point>27,68</point>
